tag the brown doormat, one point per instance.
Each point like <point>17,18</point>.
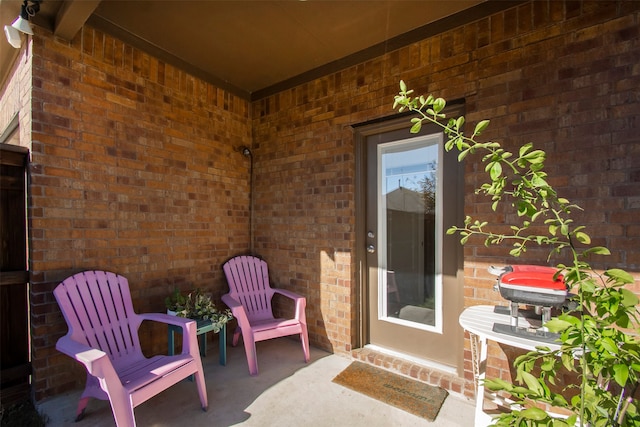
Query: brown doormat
<point>409,395</point>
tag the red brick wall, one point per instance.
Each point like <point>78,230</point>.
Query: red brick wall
<point>304,211</point>
<point>564,75</point>
<point>135,170</point>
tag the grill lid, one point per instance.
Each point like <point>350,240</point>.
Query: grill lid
<point>541,281</point>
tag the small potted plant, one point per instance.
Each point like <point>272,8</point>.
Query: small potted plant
<point>197,306</point>
<point>175,303</point>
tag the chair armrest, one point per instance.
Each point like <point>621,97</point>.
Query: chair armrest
<point>237,310</point>
<point>299,300</point>
<point>289,294</point>
<point>96,361</point>
<point>189,329</point>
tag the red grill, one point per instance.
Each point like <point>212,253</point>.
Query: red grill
<point>531,285</point>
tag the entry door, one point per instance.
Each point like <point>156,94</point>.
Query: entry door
<point>413,293</point>
<point>15,367</point>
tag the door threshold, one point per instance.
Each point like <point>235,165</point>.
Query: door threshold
<point>425,371</point>
<point>415,360</point>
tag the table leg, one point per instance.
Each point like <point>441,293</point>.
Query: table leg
<point>202,336</point>
<point>223,345</point>
<point>479,357</point>
<point>203,344</point>
<point>170,342</point>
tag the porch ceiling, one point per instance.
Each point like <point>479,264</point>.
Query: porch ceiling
<point>254,48</point>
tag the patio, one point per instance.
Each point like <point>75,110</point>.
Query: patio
<point>287,392</point>
<point>136,164</point>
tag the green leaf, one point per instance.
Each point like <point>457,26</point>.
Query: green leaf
<point>482,125</point>
<point>496,170</point>
<point>629,299</point>
<point>495,384</point>
<point>583,238</point>
<point>416,127</point>
<point>439,104</point>
<point>621,374</point>
<point>623,320</point>
<point>535,157</point>
<point>619,275</point>
<point>525,208</point>
<point>536,414</point>
<point>525,148</point>
<point>532,382</point>
<point>609,345</point>
<point>587,286</point>
<point>567,361</point>
<point>556,325</point>
<point>559,400</point>
<point>403,86</point>
<point>598,250</point>
<point>538,181</point>
<point>547,365</point>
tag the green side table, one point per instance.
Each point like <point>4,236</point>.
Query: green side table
<point>203,327</point>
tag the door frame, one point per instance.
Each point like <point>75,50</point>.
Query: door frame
<point>361,132</point>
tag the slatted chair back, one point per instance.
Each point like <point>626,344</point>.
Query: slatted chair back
<point>98,309</point>
<point>248,279</point>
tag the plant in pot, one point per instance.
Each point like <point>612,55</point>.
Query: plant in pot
<point>599,338</point>
<point>198,306</point>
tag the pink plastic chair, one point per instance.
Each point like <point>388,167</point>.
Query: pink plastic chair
<point>250,298</point>
<point>103,336</point>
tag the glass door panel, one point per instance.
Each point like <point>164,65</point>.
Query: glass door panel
<point>408,179</point>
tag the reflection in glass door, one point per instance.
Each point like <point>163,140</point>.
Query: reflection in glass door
<point>410,286</point>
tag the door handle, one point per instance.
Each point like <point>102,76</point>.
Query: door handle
<point>371,249</point>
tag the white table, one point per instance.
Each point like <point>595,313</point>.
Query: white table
<point>478,320</point>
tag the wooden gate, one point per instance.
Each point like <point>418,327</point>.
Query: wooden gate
<point>14,277</point>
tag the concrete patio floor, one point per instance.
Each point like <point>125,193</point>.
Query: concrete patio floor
<point>287,392</point>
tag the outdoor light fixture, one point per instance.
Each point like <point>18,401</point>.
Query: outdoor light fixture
<point>244,150</point>
<point>13,36</point>
<point>21,24</point>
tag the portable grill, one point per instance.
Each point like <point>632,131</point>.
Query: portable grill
<point>531,285</point>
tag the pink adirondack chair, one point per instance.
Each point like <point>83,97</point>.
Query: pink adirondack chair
<point>249,299</point>
<point>103,336</point>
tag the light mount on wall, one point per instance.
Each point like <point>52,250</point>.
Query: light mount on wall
<point>21,24</point>
<point>245,151</point>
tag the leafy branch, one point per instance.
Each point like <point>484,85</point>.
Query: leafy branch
<point>599,338</point>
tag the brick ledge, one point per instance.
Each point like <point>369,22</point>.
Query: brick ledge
<point>412,369</point>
